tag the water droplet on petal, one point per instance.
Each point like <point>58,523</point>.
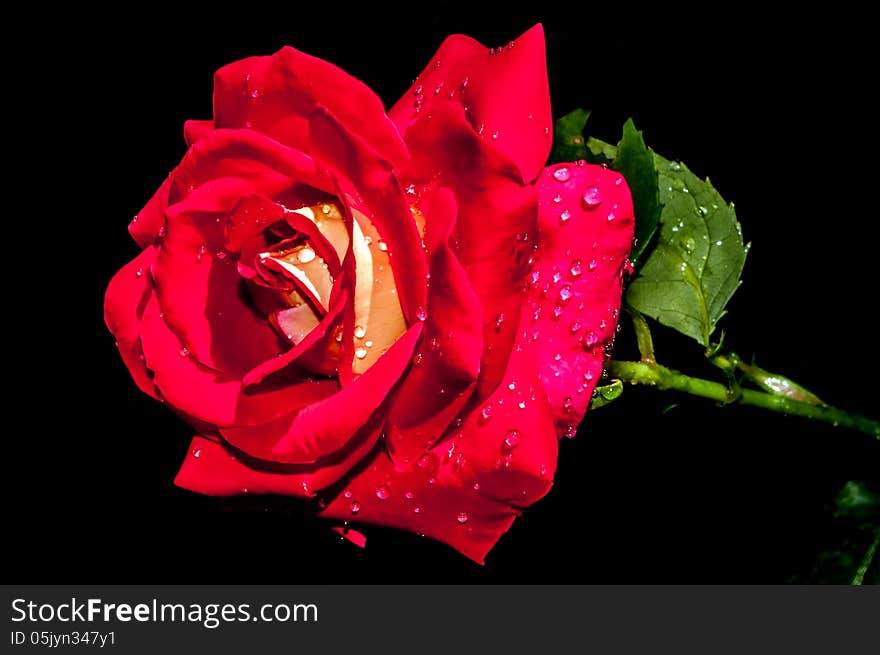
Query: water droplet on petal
<point>576,268</point>
<point>521,404</point>
<point>424,461</point>
<point>347,493</point>
<point>383,492</point>
<point>417,359</point>
<point>184,352</point>
<point>359,331</point>
<point>139,273</point>
<point>421,312</point>
<point>487,412</point>
<point>562,174</point>
<point>360,353</point>
<point>462,517</point>
<point>593,264</point>
<point>557,199</point>
<point>196,452</point>
<point>565,216</point>
<point>499,321</point>
<point>565,294</point>
<point>592,198</point>
<point>567,405</point>
<point>383,246</point>
<point>511,440</point>
<point>355,507</point>
<point>305,256</point>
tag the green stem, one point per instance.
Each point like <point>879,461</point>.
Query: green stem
<point>859,577</point>
<point>665,378</point>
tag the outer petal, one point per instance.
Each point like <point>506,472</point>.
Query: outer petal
<point>149,224</point>
<point>467,489</point>
<point>276,94</point>
<point>194,130</point>
<point>496,228</point>
<point>577,280</point>
<point>212,468</point>
<point>446,366</point>
<point>505,95</point>
<point>207,395</point>
<point>124,303</point>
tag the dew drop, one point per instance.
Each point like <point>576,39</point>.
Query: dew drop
<point>592,198</point>
<point>521,404</point>
<point>417,359</point>
<point>409,495</point>
<point>565,294</point>
<point>421,312</point>
<point>576,268</point>
<point>562,174</point>
<point>196,452</point>
<point>557,199</point>
<point>511,440</point>
<point>499,321</point>
<point>383,246</point>
<point>184,352</point>
<point>347,493</point>
<point>487,412</point>
<point>423,461</point>
<point>590,339</point>
<point>360,352</point>
<point>305,256</point>
<point>139,273</point>
<point>565,216</point>
<point>359,331</point>
<point>355,507</point>
<point>462,517</point>
<point>417,510</point>
<point>567,405</point>
<point>162,231</point>
<point>383,492</point>
<point>593,264</point>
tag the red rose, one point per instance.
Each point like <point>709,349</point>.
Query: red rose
<point>399,313</point>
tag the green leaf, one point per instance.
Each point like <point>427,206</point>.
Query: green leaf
<point>636,163</point>
<point>607,393</point>
<point>568,137</point>
<point>599,152</point>
<point>694,268</point>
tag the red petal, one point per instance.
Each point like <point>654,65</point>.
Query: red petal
<point>323,428</point>
<point>468,488</point>
<point>578,280</point>
<point>149,224</point>
<point>448,360</point>
<point>355,537</point>
<point>505,94</point>
<point>207,395</point>
<point>124,303</point>
<point>275,94</point>
<point>195,130</point>
<point>497,223</point>
<point>210,468</point>
<point>363,172</point>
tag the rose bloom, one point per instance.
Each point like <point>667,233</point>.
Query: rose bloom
<point>398,314</point>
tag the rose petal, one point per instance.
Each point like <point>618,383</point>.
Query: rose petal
<point>578,280</point>
<point>212,469</point>
<point>124,303</point>
<point>149,224</point>
<point>364,173</point>
<point>447,363</point>
<point>506,95</point>
<point>326,426</point>
<point>207,395</point>
<point>496,228</point>
<point>469,487</point>
<point>274,95</point>
<point>193,130</point>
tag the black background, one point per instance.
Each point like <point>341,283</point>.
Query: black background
<point>776,111</point>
